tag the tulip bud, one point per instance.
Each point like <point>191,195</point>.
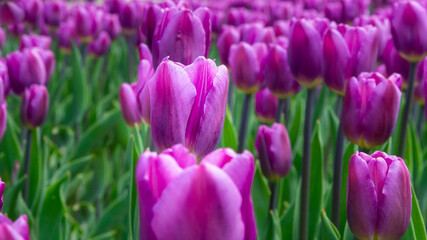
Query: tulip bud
<point>195,98</point>
<point>145,53</point>
<point>305,53</point>
<point>2,38</point>
<point>14,230</point>
<point>49,62</point>
<point>54,11</point>
<point>229,36</point>
<point>130,16</point>
<point>274,151</point>
<point>266,106</point>
<point>277,75</point>
<point>204,15</point>
<point>67,34</point>
<point>378,196</point>
<point>153,15</point>
<point>175,194</point>
<point>408,27</point>
<point>370,108</point>
<point>85,24</point>
<point>33,10</point>
<point>3,121</point>
<point>112,25</point>
<point>281,28</point>
<point>5,78</point>
<point>395,63</point>
<point>256,32</point>
<point>11,13</point>
<point>34,106</point>
<point>128,103</point>
<point>101,45</point>
<point>2,187</point>
<point>113,6</point>
<point>246,62</point>
<point>33,40</point>
<point>145,73</point>
<point>181,36</point>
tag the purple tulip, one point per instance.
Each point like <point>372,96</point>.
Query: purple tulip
<point>2,38</point>
<point>229,36</point>
<point>17,230</point>
<point>194,98</point>
<point>128,103</point>
<point>344,11</point>
<point>2,184</point>
<point>246,62</point>
<point>101,45</point>
<point>180,35</point>
<point>145,73</point>
<point>408,27</point>
<point>3,121</point>
<point>182,200</point>
<point>282,28</point>
<point>145,53</point>
<point>238,16</point>
<point>85,23</point>
<point>5,78</point>
<point>266,106</point>
<point>33,10</point>
<point>112,25</point>
<point>25,68</point>
<point>11,13</point>
<point>113,6</point>
<point>378,196</point>
<point>130,16</point>
<point>153,15</point>
<point>204,15</point>
<point>33,40</point>
<point>277,75</point>
<point>34,106</point>
<point>370,108</point>
<point>274,151</point>
<point>256,32</point>
<point>54,12</point>
<point>419,92</point>
<point>395,63</point>
<point>67,34</point>
<point>305,52</point>
<point>425,96</point>
<point>49,62</point>
<point>16,30</point>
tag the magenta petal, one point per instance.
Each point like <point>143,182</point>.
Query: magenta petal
<point>21,226</point>
<point>181,155</point>
<point>153,174</point>
<point>204,15</point>
<point>2,187</point>
<point>172,95</point>
<point>7,232</point>
<point>3,120</point>
<point>207,116</point>
<point>351,117</point>
<point>128,104</point>
<point>395,203</point>
<point>381,113</point>
<point>362,203</point>
<point>202,203</point>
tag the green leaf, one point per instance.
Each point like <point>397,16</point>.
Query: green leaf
<point>10,196</point>
<point>229,135</point>
<point>260,196</point>
<point>287,222</point>
<point>347,235</point>
<point>316,182</point>
<point>97,132</point>
<point>132,158</point>
<point>72,168</point>
<point>328,230</point>
<point>52,211</point>
<point>114,214</point>
<point>417,219</point>
<point>295,129</point>
<point>274,231</point>
<point>11,147</point>
<point>35,174</point>
<point>79,86</point>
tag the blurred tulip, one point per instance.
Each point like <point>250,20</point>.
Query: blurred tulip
<point>181,36</point>
<point>229,36</point>
<point>370,108</point>
<point>245,65</point>
<point>343,11</point>
<point>277,75</point>
<point>113,6</point>
<point>305,53</point>
<point>408,27</point>
<point>49,62</point>
<point>171,182</point>
<point>2,38</point>
<point>194,98</point>
<point>54,12</point>
<point>425,96</point>
<point>395,63</point>
<point>112,25</point>
<point>16,30</point>
<point>282,28</point>
<point>145,53</point>
<point>25,68</point>
<point>100,45</point>
<point>153,15</point>
<point>85,24</point>
<point>17,230</point>
<point>33,40</point>
<point>238,16</point>
<point>11,13</point>
<point>266,106</point>
<point>66,35</point>
<point>419,93</point>
<point>274,151</point>
<point>33,10</point>
<point>34,106</point>
<point>2,184</point>
<point>3,121</point>
<point>130,16</point>
<point>5,77</point>
<point>378,196</point>
<point>145,73</point>
<point>128,103</point>
<point>256,32</point>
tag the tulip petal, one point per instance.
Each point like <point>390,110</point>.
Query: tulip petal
<point>181,155</point>
<point>21,226</point>
<point>202,203</point>
<point>3,121</point>
<point>204,14</point>
<point>171,98</point>
<point>381,113</point>
<point>362,204</point>
<point>395,203</point>
<point>351,117</point>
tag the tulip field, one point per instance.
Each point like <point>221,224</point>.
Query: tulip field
<point>213,119</point>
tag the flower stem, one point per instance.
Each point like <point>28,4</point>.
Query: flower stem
<point>420,122</point>
<point>406,110</point>
<point>286,103</point>
<point>279,111</point>
<point>27,166</point>
<point>273,199</point>
<point>337,179</point>
<point>244,123</point>
<point>230,96</point>
<point>305,174</point>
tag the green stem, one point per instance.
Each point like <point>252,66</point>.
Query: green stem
<point>244,123</point>
<point>306,159</point>
<point>279,110</point>
<point>26,190</point>
<point>406,110</point>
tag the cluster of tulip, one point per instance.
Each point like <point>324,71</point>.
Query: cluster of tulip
<point>193,182</point>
